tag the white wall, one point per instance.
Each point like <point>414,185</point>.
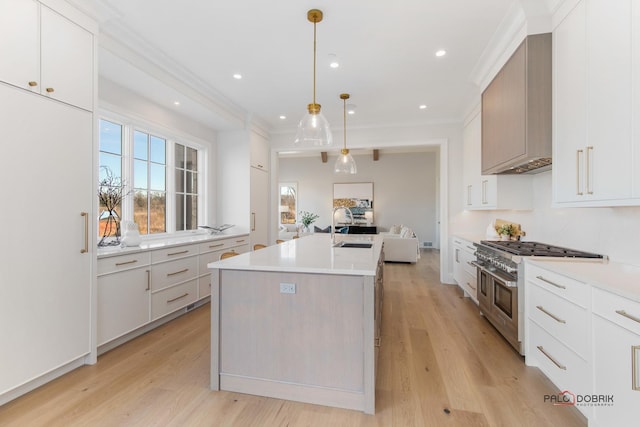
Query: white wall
<point>404,186</point>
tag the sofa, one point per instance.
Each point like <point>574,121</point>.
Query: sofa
<point>287,231</point>
<point>400,245</point>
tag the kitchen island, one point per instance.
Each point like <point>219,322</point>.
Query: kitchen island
<point>299,321</point>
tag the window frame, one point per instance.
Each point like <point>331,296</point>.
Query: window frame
<point>129,126</point>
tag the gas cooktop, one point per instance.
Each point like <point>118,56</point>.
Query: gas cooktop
<point>537,249</point>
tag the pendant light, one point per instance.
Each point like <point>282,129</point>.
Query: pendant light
<point>345,162</point>
<point>313,129</point>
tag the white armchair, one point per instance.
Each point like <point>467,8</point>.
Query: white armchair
<point>401,246</point>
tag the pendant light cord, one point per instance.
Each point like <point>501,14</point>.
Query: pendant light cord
<point>344,113</point>
<point>314,62</point>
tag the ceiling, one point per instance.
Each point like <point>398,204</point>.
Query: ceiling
<point>188,51</point>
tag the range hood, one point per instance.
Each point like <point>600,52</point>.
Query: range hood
<point>516,112</point>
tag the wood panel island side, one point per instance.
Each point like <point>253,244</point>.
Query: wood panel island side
<point>299,321</point>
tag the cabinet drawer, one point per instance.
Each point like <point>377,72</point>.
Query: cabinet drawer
<point>214,245</point>
<point>176,252</point>
<point>562,366</point>
<point>122,262</point>
<point>173,298</point>
<point>565,321</point>
<point>172,272</point>
<point>465,260</point>
<point>204,286</point>
<point>570,289</point>
<point>621,311</point>
<point>205,259</point>
<point>469,285</point>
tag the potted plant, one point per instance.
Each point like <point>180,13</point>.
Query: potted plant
<point>506,231</point>
<point>307,218</point>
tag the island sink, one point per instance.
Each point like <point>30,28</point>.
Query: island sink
<point>353,245</point>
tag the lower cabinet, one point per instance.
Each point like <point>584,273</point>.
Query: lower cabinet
<point>616,332</point>
<point>463,272</point>
<point>137,288</point>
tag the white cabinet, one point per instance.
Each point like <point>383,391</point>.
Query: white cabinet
<point>557,329</point>
<point>490,191</point>
<point>616,332</point>
<point>259,151</point>
<point>140,287</point>
<point>593,105</point>
<point>124,285</point>
<point>463,272</point>
<point>259,206</point>
<point>46,168</point>
<point>48,53</point>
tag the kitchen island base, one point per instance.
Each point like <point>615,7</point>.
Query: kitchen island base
<point>315,345</point>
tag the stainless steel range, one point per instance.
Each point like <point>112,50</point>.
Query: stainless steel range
<point>501,282</point>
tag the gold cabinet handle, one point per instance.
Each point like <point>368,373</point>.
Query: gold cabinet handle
<point>472,287</point>
<point>550,282</point>
<point>177,298</point>
<point>635,350</point>
<point>377,342</point>
<point>178,253</point>
<point>553,316</point>
<point>86,232</point>
<point>239,241</point>
<point>216,246</point>
<point>588,169</point>
<point>253,221</point>
<point>628,316</point>
<point>148,280</point>
<point>33,84</point>
<point>578,153</point>
<point>555,362</point>
<point>177,272</point>
<point>49,90</point>
<point>118,264</point>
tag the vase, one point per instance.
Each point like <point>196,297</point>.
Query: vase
<point>505,237</point>
<point>111,228</point>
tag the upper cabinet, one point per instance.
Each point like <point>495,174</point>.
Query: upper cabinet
<point>595,98</point>
<point>516,110</point>
<point>490,191</point>
<point>40,45</point>
<point>259,153</point>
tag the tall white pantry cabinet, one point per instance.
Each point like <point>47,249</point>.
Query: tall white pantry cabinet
<point>47,182</point>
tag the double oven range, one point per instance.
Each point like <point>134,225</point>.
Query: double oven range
<point>500,269</point>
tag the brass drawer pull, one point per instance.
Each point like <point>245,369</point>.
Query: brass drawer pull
<point>550,282</point>
<point>239,241</point>
<point>148,280</point>
<point>377,342</point>
<point>118,264</point>
<point>177,298</point>
<point>177,272</point>
<point>555,362</point>
<point>178,253</point>
<point>216,246</point>
<point>49,90</point>
<point>33,84</point>
<point>85,215</point>
<point>553,316</point>
<point>628,316</point>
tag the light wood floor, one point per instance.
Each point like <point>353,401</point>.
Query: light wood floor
<point>440,364</point>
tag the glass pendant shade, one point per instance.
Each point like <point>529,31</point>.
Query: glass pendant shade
<point>345,163</point>
<point>313,131</point>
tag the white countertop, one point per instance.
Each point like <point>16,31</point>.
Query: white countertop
<point>311,254</point>
<point>618,278</point>
<point>185,239</point>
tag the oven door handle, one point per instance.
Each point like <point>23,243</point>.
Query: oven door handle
<point>506,282</point>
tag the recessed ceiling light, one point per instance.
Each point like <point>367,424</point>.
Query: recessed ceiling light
<point>441,52</point>
<point>176,103</point>
<point>237,76</point>
<point>333,60</point>
<point>423,107</point>
<point>283,117</point>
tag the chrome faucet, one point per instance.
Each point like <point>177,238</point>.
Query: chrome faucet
<point>333,221</point>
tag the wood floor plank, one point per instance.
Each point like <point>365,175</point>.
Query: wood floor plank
<point>440,364</point>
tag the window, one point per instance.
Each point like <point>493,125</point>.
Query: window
<point>149,183</point>
<point>186,159</point>
<point>161,181</point>
<point>110,175</point>
<point>288,203</point>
